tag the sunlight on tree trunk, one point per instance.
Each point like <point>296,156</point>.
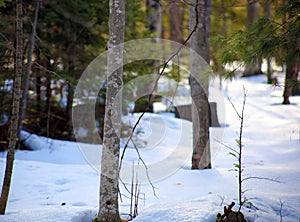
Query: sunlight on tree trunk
<point>109,183</point>
<point>200,106</point>
<point>13,136</point>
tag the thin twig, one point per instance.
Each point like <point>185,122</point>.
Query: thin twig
<point>228,147</point>
<point>261,178</point>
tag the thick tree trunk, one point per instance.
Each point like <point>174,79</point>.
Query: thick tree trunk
<point>199,85</point>
<point>109,184</point>
<point>13,138</point>
<point>252,15</point>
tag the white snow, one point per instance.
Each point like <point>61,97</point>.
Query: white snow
<point>56,181</point>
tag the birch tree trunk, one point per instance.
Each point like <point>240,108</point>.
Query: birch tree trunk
<point>109,184</point>
<point>13,136</point>
<point>199,84</point>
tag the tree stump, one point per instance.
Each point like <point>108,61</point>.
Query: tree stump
<point>230,215</point>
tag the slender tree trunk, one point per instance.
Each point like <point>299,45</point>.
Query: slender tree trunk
<point>70,97</point>
<point>154,16</point>
<point>29,64</point>
<point>38,100</point>
<point>199,85</point>
<point>15,110</point>
<point>47,109</point>
<point>176,26</point>
<point>72,38</point>
<point>224,20</point>
<point>267,14</point>
<point>252,16</point>
<point>109,183</point>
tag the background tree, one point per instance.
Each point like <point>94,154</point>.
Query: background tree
<point>267,14</point>
<point>292,83</point>
<point>13,136</point>
<point>276,37</point>
<point>109,183</point>
<point>154,16</point>
<point>199,87</point>
<point>176,12</point>
<point>252,16</point>
<point>29,64</point>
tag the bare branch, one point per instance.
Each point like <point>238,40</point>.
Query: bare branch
<point>228,147</point>
<point>151,97</point>
<point>261,178</point>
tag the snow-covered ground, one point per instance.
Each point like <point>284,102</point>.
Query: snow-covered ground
<point>59,181</point>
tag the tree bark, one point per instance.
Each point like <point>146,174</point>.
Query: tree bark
<point>291,81</point>
<point>109,184</point>
<point>252,15</point>
<point>176,19</point>
<point>13,138</point>
<point>199,84</point>
<point>293,61</point>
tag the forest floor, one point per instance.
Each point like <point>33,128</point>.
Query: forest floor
<point>59,180</point>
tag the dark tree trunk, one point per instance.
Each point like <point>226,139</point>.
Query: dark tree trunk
<point>199,84</point>
<point>176,21</point>
<point>13,136</point>
<point>47,111</point>
<point>154,16</point>
<point>38,94</point>
<point>70,97</point>
<point>267,14</point>
<point>291,81</point>
<point>29,64</point>
<point>72,37</point>
<point>252,15</point>
<point>292,84</point>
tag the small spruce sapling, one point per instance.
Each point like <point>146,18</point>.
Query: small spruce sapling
<point>230,215</point>
<point>237,153</point>
<point>238,167</point>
